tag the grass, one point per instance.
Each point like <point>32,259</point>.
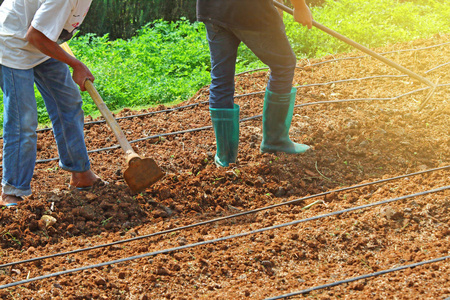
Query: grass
<point>371,23</point>
<point>167,62</point>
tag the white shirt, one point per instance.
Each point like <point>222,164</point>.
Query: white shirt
<point>50,17</point>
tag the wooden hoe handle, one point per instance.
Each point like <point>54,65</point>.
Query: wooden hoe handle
<point>106,113</point>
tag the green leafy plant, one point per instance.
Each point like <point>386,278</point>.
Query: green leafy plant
<point>371,23</point>
<point>7,234</point>
<point>106,221</point>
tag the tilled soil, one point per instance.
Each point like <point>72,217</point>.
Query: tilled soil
<point>354,143</point>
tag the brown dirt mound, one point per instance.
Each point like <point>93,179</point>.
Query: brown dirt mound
<point>353,143</point>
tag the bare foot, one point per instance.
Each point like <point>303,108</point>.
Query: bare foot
<point>83,179</point>
<point>10,200</point>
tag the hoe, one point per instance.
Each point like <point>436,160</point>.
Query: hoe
<point>141,172</point>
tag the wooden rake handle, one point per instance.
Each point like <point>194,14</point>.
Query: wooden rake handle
<point>362,48</point>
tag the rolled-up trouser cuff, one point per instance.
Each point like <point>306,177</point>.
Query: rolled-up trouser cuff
<point>8,189</point>
<point>87,167</point>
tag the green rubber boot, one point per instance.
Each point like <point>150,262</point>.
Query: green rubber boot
<point>277,118</point>
<point>226,127</point>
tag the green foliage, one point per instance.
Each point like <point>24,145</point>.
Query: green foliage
<point>371,23</point>
<point>165,62</point>
<point>122,18</point>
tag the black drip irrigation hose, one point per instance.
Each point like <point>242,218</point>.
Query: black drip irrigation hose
<point>435,68</point>
<point>131,142</point>
<point>390,52</point>
<point>307,291</point>
<point>147,113</point>
<point>349,58</point>
<point>235,97</point>
<point>265,68</point>
<point>295,201</point>
<point>221,239</point>
<point>348,80</point>
<point>247,119</point>
<point>134,116</point>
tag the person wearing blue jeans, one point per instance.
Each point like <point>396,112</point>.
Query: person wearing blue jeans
<point>30,34</point>
<point>258,25</point>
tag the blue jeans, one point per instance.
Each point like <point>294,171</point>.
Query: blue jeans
<point>271,46</point>
<point>63,102</point>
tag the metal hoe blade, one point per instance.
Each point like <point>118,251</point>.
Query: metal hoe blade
<point>142,173</point>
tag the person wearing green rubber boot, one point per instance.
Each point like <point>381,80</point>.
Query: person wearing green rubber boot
<point>257,24</point>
